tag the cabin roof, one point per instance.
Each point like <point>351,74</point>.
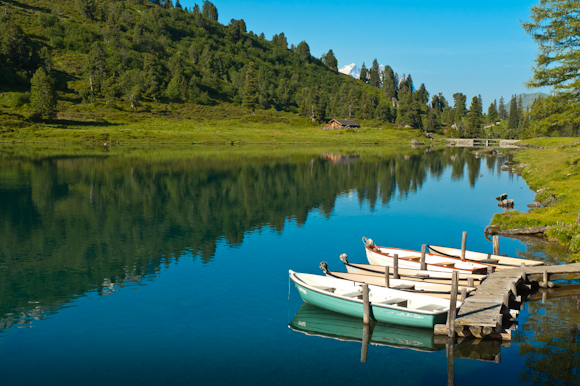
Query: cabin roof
<point>346,122</point>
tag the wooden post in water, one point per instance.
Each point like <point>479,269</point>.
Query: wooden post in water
<point>365,342</point>
<point>423,252</point>
<point>366,304</point>
<point>387,274</point>
<point>396,266</point>
<point>463,294</point>
<point>463,245</point>
<point>452,305</point>
<point>449,351</point>
<point>496,245</point>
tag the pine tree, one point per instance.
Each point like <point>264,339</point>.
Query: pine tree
<point>364,73</point>
<point>501,110</point>
<point>43,95</point>
<point>460,108</point>
<point>492,112</point>
<point>474,118</point>
<point>513,117</point>
<point>374,75</point>
<point>251,96</point>
<point>303,50</point>
<point>389,83</point>
<point>330,60</point>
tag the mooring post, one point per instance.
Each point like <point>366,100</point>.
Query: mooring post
<point>366,304</point>
<point>496,245</point>
<point>470,282</point>
<point>423,252</point>
<point>452,305</point>
<point>463,245</point>
<point>395,266</point>
<point>513,288</point>
<point>463,294</point>
<point>545,278</point>
<point>365,342</point>
<point>387,279</point>
<point>449,351</point>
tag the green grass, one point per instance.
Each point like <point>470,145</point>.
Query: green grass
<point>554,169</point>
<point>166,123</point>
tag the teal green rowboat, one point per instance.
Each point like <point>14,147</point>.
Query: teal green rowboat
<point>387,305</point>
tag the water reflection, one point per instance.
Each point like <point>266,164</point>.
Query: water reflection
<point>70,224</point>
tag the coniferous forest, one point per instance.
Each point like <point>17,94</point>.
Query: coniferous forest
<point>62,60</point>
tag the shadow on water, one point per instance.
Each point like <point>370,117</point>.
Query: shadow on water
<point>87,220</point>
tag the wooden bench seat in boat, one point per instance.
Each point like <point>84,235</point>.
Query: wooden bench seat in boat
<point>431,307</point>
<point>323,288</point>
<point>447,264</point>
<point>488,261</point>
<point>413,258</point>
<point>354,294</point>
<point>404,287</point>
<point>400,302</point>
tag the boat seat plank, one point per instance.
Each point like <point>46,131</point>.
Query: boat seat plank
<point>431,307</point>
<point>353,294</point>
<point>324,288</point>
<point>404,287</point>
<point>447,263</point>
<point>395,302</point>
<point>411,257</point>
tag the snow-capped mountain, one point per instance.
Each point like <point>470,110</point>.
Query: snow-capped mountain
<point>350,69</point>
<point>354,70</point>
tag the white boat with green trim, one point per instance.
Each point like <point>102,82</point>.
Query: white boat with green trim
<point>387,305</point>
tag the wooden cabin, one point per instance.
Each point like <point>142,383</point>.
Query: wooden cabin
<point>341,124</point>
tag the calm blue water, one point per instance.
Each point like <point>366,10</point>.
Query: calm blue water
<point>119,270</point>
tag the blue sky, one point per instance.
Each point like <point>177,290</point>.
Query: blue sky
<point>473,47</point>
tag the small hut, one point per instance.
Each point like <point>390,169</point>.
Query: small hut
<point>341,124</point>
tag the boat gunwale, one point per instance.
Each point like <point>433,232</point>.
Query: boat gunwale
<point>436,252</point>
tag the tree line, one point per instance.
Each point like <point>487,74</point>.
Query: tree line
<point>139,51</point>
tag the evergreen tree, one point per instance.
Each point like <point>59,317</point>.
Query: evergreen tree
<point>422,95</point>
<point>330,60</point>
<point>514,118</point>
<point>474,118</point>
<point>209,10</point>
<point>251,96</point>
<point>389,83</point>
<point>43,95</point>
<point>492,112</point>
<point>303,50</point>
<point>460,107</point>
<point>364,73</point>
<point>374,75</point>
<point>501,110</point>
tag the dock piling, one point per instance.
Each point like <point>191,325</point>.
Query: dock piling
<point>496,245</point>
<point>387,281</point>
<point>452,305</point>
<point>366,304</point>
<point>423,252</point>
<point>463,245</point>
<point>396,266</point>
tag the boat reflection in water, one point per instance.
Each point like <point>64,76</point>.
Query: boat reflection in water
<point>316,321</point>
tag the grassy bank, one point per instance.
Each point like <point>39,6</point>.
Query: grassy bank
<point>159,123</point>
<point>554,169</point>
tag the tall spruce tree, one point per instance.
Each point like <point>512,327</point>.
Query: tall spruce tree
<point>474,118</point>
<point>459,107</point>
<point>514,118</point>
<point>330,60</point>
<point>43,95</point>
<point>501,110</point>
<point>389,83</point>
<point>251,96</point>
<point>492,112</point>
<point>364,73</point>
<point>374,75</point>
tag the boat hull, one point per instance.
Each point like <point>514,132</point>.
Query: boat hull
<point>410,259</point>
<point>503,262</point>
<point>381,313</point>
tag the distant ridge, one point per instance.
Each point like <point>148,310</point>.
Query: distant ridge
<point>527,99</point>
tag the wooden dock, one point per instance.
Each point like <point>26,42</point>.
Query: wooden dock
<point>488,311</point>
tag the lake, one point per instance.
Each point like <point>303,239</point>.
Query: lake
<point>170,266</point>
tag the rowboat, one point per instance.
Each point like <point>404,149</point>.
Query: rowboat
<point>319,322</point>
<point>432,289</point>
<point>500,262</point>
<point>387,305</point>
<point>411,259</point>
<point>412,274</point>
